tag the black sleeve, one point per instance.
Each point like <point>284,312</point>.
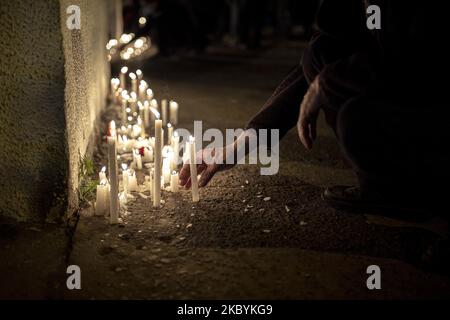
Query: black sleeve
<point>282,109</point>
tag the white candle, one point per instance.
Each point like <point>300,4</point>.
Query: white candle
<point>102,198</point>
<point>149,94</point>
<point>112,129</point>
<point>174,182</point>
<point>148,154</point>
<point>142,127</point>
<point>139,74</point>
<point>112,169</point>
<point>134,84</point>
<point>142,90</point>
<point>164,111</point>
<point>146,114</point>
<point>132,182</point>
<point>123,72</point>
<point>176,148</point>
<point>153,105</point>
<point>138,159</point>
<point>194,182</point>
<point>169,134</point>
<point>124,111</point>
<point>166,170</point>
<point>152,182</point>
<point>133,101</point>
<point>173,113</point>
<point>157,154</point>
<point>102,174</point>
<point>114,86</point>
<point>125,176</point>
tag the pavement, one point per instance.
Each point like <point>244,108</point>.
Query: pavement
<point>235,243</point>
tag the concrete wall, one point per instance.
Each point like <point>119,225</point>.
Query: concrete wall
<point>87,76</point>
<point>53,83</point>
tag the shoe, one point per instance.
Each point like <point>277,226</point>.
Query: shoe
<point>351,198</point>
<point>437,257</point>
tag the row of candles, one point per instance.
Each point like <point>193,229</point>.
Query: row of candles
<point>138,110</point>
<point>133,47</point>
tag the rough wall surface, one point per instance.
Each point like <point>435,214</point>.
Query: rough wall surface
<point>53,84</point>
<point>33,158</point>
<point>87,77</point>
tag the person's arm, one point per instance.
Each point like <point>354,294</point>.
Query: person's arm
<point>281,110</point>
<point>211,161</point>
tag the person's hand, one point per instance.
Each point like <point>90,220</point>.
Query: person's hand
<point>209,162</point>
<point>309,111</point>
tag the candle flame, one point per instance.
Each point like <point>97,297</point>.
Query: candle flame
<point>133,95</point>
<point>112,125</point>
<point>125,138</point>
<point>146,103</point>
<point>169,125</point>
<point>138,72</point>
<point>155,112</point>
<point>191,139</point>
<point>141,106</point>
<point>132,76</point>
<point>128,110</point>
<point>124,166</point>
<point>124,94</point>
<point>142,84</point>
<point>175,134</point>
<point>104,169</point>
<point>139,120</point>
<point>124,70</point>
<point>149,92</point>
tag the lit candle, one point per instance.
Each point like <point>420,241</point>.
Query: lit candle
<point>169,134</point>
<point>146,114</point>
<point>148,154</point>
<point>157,154</point>
<point>139,74</point>
<point>132,182</point>
<point>102,174</point>
<point>102,198</point>
<point>132,100</point>
<point>174,182</point>
<point>134,84</point>
<point>149,94</point>
<point>164,111</point>
<point>142,127</point>
<point>173,113</point>
<point>123,72</point>
<point>142,90</point>
<point>193,166</point>
<point>138,159</point>
<point>154,105</point>
<point>112,169</point>
<point>166,170</point>
<point>114,86</point>
<point>112,129</point>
